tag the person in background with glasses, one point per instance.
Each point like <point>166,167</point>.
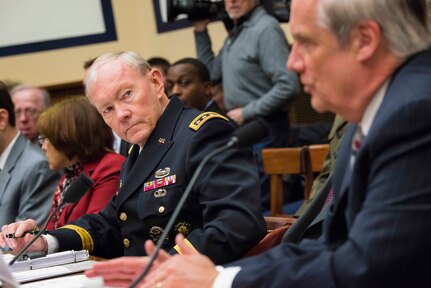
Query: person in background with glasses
<point>70,142</point>
<point>29,102</point>
<point>26,182</point>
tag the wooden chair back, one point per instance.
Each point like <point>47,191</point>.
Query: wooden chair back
<point>279,161</point>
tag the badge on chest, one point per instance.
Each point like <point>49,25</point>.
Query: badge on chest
<point>163,179</point>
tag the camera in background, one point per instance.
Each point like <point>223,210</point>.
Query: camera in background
<point>214,9</point>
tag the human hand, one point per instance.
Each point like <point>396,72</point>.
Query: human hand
<point>119,272</point>
<point>236,115</point>
<point>122,271</point>
<point>18,229</point>
<point>189,270</point>
<point>201,25</point>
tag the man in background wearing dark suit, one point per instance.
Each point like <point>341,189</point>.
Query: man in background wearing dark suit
<point>370,62</point>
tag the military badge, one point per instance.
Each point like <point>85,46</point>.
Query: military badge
<point>162,172</point>
<point>183,228</point>
<point>159,193</point>
<point>155,234</point>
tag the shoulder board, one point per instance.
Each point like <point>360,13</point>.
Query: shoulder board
<point>204,117</point>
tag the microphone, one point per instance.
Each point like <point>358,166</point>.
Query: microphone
<point>77,189</point>
<point>72,195</point>
<point>249,133</point>
<point>242,137</point>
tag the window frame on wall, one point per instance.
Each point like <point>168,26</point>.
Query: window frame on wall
<point>109,34</point>
<point>165,26</point>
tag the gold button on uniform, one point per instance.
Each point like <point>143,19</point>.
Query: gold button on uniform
<point>161,209</point>
<point>126,242</point>
<point>123,216</point>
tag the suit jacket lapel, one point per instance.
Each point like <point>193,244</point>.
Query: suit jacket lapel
<point>343,169</point>
<point>4,180</point>
<point>158,144</point>
<point>14,154</point>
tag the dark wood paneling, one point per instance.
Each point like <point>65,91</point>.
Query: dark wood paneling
<point>66,90</point>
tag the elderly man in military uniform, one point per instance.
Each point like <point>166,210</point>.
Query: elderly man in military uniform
<point>221,217</point>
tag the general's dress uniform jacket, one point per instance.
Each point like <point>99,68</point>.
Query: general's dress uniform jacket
<point>221,218</point>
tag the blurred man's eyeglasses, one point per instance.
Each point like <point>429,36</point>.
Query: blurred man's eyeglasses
<point>31,113</point>
<point>41,139</point>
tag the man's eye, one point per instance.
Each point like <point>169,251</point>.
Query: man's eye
<point>184,83</point>
<point>107,110</point>
<point>126,94</point>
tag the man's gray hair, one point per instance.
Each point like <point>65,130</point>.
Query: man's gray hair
<point>46,98</point>
<point>132,59</point>
<point>405,24</point>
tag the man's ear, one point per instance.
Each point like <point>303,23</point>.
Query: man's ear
<point>4,119</point>
<point>156,78</point>
<point>367,38</point>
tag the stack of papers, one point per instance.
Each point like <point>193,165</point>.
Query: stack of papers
<point>49,260</point>
<point>52,265</point>
<point>50,272</point>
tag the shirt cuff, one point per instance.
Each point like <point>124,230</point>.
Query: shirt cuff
<point>52,243</point>
<point>225,276</point>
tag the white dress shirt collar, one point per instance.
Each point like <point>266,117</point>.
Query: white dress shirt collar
<point>372,108</point>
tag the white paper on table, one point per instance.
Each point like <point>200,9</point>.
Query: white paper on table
<point>6,278</point>
<point>43,273</point>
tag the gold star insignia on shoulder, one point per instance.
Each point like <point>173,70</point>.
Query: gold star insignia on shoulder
<point>200,120</point>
